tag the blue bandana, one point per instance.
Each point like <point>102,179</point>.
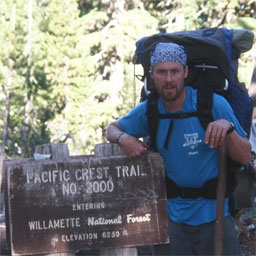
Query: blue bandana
<point>168,52</point>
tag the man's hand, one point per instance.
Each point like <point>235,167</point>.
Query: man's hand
<point>132,146</point>
<point>216,133</point>
<point>239,148</point>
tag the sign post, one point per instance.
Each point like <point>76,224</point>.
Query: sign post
<point>221,191</point>
<point>85,202</point>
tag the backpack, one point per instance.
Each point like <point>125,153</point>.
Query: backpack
<point>212,58</point>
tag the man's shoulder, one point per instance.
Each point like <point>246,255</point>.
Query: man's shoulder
<point>139,108</point>
<point>190,91</point>
<point>219,99</point>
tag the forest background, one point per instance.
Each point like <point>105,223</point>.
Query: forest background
<point>66,65</point>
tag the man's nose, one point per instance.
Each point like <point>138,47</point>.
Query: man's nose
<point>169,77</point>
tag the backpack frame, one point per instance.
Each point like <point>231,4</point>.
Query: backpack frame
<point>213,62</point>
<point>212,58</point>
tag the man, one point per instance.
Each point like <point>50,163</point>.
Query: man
<point>191,157</point>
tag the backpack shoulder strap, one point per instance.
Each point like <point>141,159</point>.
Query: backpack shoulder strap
<point>204,112</point>
<point>153,118</point>
<point>204,105</point>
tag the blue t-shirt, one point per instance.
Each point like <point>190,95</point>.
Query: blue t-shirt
<point>188,161</point>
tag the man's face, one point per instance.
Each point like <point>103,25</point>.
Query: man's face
<point>169,80</point>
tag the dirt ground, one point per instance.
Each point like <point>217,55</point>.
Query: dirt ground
<point>246,230</point>
<point>246,227</point>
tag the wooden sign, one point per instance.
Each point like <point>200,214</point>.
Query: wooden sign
<point>85,203</point>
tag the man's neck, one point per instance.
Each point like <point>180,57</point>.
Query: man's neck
<point>177,104</point>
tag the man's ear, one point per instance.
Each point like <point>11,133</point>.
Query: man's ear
<point>186,72</point>
<point>151,73</point>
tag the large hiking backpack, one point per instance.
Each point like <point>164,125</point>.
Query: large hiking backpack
<point>212,58</point>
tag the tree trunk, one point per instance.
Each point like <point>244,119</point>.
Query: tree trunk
<point>27,114</point>
<point>6,105</point>
<point>253,81</point>
<point>5,121</point>
<point>4,136</point>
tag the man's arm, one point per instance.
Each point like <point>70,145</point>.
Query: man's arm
<point>131,145</point>
<point>239,148</point>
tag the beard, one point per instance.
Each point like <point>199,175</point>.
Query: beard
<point>170,93</point>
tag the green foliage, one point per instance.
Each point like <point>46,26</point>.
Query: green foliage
<point>69,74</point>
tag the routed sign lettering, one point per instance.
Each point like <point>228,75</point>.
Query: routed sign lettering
<point>85,202</point>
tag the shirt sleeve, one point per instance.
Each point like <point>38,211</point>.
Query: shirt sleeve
<point>223,110</point>
<point>135,123</point>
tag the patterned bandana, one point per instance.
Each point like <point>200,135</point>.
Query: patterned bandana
<point>168,52</point>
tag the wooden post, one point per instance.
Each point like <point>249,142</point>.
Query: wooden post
<point>56,152</point>
<point>110,149</point>
<point>221,191</point>
<point>3,246</point>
